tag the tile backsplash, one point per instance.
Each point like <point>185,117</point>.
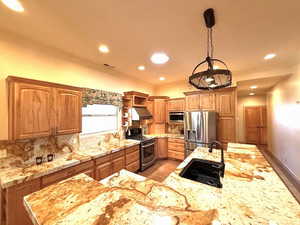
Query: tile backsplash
<point>175,128</point>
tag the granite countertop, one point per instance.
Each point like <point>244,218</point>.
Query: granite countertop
<point>252,193</point>
<point>167,135</point>
<point>12,174</point>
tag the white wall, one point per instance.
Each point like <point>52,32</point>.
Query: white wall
<point>21,57</point>
<point>284,122</point>
<point>242,102</point>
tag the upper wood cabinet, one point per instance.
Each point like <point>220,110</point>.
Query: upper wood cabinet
<point>176,105</point>
<point>40,109</point>
<point>192,102</point>
<point>225,103</point>
<point>68,119</point>
<point>207,101</point>
<point>159,114</point>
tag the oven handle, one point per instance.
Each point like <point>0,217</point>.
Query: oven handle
<point>146,146</point>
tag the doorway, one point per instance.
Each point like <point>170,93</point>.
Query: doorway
<point>256,125</point>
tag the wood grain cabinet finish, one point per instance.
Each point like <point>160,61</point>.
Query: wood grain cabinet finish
<point>176,149</point>
<point>16,213</point>
<point>41,109</point>
<point>159,111</point>
<point>207,101</point>
<point>31,110</point>
<point>162,148</point>
<point>176,105</point>
<point>118,164</point>
<point>225,103</point>
<point>226,129</point>
<point>68,111</point>
<point>104,170</point>
<point>192,102</point>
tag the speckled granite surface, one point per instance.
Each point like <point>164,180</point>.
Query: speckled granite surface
<point>252,194</point>
<point>168,135</point>
<point>12,173</point>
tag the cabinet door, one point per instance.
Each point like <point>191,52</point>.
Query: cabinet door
<point>226,103</point>
<point>159,111</point>
<point>207,101</point>
<point>118,164</point>
<point>32,111</point>
<point>89,173</point>
<point>162,148</point>
<point>176,105</point>
<point>226,129</point>
<point>192,102</point>
<point>68,111</point>
<point>16,213</point>
<point>104,170</point>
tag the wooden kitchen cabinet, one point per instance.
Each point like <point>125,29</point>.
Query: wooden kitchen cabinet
<point>207,101</point>
<point>104,170</point>
<point>159,115</point>
<point>41,109</point>
<point>16,213</point>
<point>118,164</point>
<point>176,148</point>
<point>225,103</point>
<point>226,129</point>
<point>68,107</point>
<point>192,102</point>
<point>176,105</point>
<point>162,148</point>
<point>132,156</point>
<point>30,110</point>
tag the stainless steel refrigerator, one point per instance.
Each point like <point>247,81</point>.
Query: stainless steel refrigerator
<point>200,128</point>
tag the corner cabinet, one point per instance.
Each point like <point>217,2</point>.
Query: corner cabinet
<point>41,109</point>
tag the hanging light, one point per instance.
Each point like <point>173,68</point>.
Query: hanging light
<point>212,77</point>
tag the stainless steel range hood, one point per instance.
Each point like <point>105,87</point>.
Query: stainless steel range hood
<point>140,113</point>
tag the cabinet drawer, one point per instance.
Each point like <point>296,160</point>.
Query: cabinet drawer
<point>176,146</point>
<point>117,154</point>
<point>133,167</point>
<point>132,157</point>
<point>132,149</point>
<point>69,172</point>
<point>176,140</point>
<point>103,159</point>
<point>176,155</point>
<point>118,164</point>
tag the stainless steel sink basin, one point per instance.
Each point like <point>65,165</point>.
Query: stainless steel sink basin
<point>204,171</point>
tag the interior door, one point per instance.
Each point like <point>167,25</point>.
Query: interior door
<point>255,125</point>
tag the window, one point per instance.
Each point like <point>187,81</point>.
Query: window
<point>99,118</point>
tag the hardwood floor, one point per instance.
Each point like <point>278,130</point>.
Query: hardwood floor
<point>160,170</point>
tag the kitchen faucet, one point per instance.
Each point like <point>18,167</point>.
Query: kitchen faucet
<point>218,145</point>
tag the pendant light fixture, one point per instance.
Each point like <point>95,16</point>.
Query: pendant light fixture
<point>211,77</point>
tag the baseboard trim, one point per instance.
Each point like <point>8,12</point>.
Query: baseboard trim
<point>290,176</point>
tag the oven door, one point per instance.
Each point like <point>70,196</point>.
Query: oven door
<point>148,155</point>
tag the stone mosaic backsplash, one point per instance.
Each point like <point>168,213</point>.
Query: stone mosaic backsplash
<point>26,151</point>
<point>175,128</point>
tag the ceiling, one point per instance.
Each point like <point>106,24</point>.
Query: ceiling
<point>133,30</point>
<point>263,85</point>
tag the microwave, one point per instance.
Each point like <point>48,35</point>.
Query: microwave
<point>176,117</point>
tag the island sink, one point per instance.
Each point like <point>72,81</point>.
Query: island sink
<point>205,171</point>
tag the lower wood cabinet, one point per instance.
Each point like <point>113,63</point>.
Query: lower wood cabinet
<point>104,170</point>
<point>12,210</point>
<point>226,129</point>
<point>15,211</point>
<point>162,148</point>
<point>176,148</point>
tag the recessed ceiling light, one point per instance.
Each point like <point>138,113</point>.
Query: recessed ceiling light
<point>103,48</point>
<point>141,67</point>
<point>162,78</point>
<point>269,56</point>
<point>159,58</point>
<point>14,5</point>
<point>253,87</point>
<point>252,93</point>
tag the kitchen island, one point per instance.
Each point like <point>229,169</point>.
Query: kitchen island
<point>252,193</point>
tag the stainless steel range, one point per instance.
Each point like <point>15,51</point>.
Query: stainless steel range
<point>147,147</point>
